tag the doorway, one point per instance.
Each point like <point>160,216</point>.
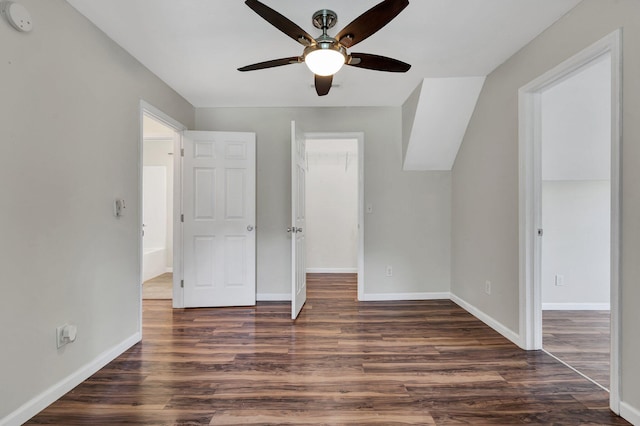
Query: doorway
<point>159,185</point>
<point>157,208</point>
<point>334,207</point>
<point>531,230</point>
<point>576,218</point>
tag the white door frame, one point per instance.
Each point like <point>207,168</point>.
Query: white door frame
<point>359,136</point>
<point>151,111</point>
<point>529,118</point>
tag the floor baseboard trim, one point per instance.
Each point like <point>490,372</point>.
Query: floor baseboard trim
<point>576,306</point>
<point>629,413</point>
<point>381,297</point>
<point>55,392</point>
<point>332,270</point>
<point>169,269</point>
<point>496,325</point>
<point>273,297</point>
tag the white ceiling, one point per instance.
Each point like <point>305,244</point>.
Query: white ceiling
<point>195,46</point>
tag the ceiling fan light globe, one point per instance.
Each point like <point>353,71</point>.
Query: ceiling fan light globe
<point>324,62</point>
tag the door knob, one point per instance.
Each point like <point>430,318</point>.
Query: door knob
<point>292,229</point>
<point>249,228</point>
<point>298,229</point>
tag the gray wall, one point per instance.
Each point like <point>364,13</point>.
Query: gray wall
<point>409,227</point>
<point>576,218</point>
<point>70,130</point>
<point>485,175</point>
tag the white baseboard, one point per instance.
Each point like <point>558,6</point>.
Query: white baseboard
<point>332,270</point>
<point>380,297</point>
<point>169,269</point>
<point>273,297</point>
<point>576,306</point>
<point>630,414</point>
<point>55,392</point>
<point>497,326</point>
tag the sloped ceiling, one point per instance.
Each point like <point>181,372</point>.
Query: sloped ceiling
<point>443,108</point>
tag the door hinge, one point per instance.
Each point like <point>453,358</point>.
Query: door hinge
<point>182,152</point>
<point>540,232</point>
<point>181,283</point>
<point>182,218</point>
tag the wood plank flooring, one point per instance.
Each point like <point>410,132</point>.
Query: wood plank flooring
<point>581,339</point>
<point>160,287</point>
<point>341,362</point>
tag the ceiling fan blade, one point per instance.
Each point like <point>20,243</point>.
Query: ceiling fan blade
<point>280,22</point>
<point>377,62</point>
<point>271,64</point>
<point>323,84</point>
<point>370,22</point>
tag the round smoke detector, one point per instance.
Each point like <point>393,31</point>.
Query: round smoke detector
<point>18,16</point>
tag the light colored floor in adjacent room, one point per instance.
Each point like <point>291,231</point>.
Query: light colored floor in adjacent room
<point>581,339</point>
<point>160,287</point>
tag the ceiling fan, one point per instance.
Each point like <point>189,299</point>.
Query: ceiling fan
<point>325,55</point>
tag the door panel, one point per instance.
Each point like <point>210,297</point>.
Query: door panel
<point>298,217</point>
<point>219,192</point>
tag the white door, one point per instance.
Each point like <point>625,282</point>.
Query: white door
<point>298,228</point>
<point>219,204</point>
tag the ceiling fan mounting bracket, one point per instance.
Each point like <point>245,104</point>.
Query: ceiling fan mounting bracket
<point>324,19</point>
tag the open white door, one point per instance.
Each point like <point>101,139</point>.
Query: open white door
<point>219,205</point>
<point>298,262</point>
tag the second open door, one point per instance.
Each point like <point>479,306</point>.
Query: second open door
<point>298,226</point>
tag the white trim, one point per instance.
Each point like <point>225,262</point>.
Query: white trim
<point>273,297</point>
<point>359,136</point>
<point>55,392</point>
<point>575,306</point>
<point>332,270</point>
<point>381,297</point>
<point>151,111</point>
<point>496,325</point>
<point>529,196</point>
<point>158,138</point>
<point>629,413</point>
<point>169,269</point>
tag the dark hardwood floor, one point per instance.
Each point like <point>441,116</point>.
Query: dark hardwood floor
<point>341,362</point>
<point>581,339</point>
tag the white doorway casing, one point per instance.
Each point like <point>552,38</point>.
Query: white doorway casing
<point>530,191</point>
<point>158,115</point>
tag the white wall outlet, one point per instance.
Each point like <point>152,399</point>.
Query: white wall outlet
<point>389,271</point>
<point>559,280</point>
<point>487,287</point>
<point>65,334</point>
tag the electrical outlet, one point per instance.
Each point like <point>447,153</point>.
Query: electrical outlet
<point>65,334</point>
<point>487,287</point>
<point>389,271</point>
<point>559,280</point>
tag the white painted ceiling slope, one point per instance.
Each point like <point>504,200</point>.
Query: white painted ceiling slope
<point>195,46</point>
